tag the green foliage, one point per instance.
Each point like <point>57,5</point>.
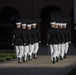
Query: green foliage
<point>2,59</point>
<point>7,56</point>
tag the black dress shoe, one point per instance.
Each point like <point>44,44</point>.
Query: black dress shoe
<point>29,57</point>
<point>19,60</point>
<point>23,58</point>
<point>53,61</point>
<point>35,56</point>
<point>65,55</point>
<point>57,59</point>
<point>61,58</point>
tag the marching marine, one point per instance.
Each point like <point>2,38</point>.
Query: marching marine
<point>37,40</point>
<point>17,41</point>
<point>26,44</point>
<point>52,40</point>
<point>30,41</point>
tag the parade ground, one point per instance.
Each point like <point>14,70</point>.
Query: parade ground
<point>42,65</point>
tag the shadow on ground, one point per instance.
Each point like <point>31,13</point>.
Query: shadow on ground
<point>51,69</point>
<point>35,71</point>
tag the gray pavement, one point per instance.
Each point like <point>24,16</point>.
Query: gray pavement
<point>42,65</point>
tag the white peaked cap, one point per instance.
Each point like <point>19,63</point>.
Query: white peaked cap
<point>52,22</point>
<point>18,23</point>
<point>60,24</point>
<point>29,25</point>
<point>24,24</point>
<point>57,24</point>
<point>64,24</point>
<point>34,24</point>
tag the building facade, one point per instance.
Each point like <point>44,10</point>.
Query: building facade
<point>43,11</point>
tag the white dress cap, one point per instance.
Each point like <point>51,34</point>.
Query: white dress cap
<point>29,25</point>
<point>18,23</point>
<point>65,24</point>
<point>23,24</point>
<point>34,24</point>
<point>57,24</point>
<point>52,22</point>
<point>60,24</point>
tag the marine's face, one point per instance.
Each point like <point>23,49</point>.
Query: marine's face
<point>34,26</point>
<point>60,27</point>
<point>56,26</point>
<point>18,26</point>
<point>52,25</point>
<point>23,27</point>
<point>64,26</point>
<point>29,28</point>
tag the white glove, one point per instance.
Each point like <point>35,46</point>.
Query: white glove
<point>39,41</point>
<point>12,44</point>
<point>24,43</point>
<point>62,42</point>
<point>30,44</point>
<point>47,44</point>
<point>69,41</point>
